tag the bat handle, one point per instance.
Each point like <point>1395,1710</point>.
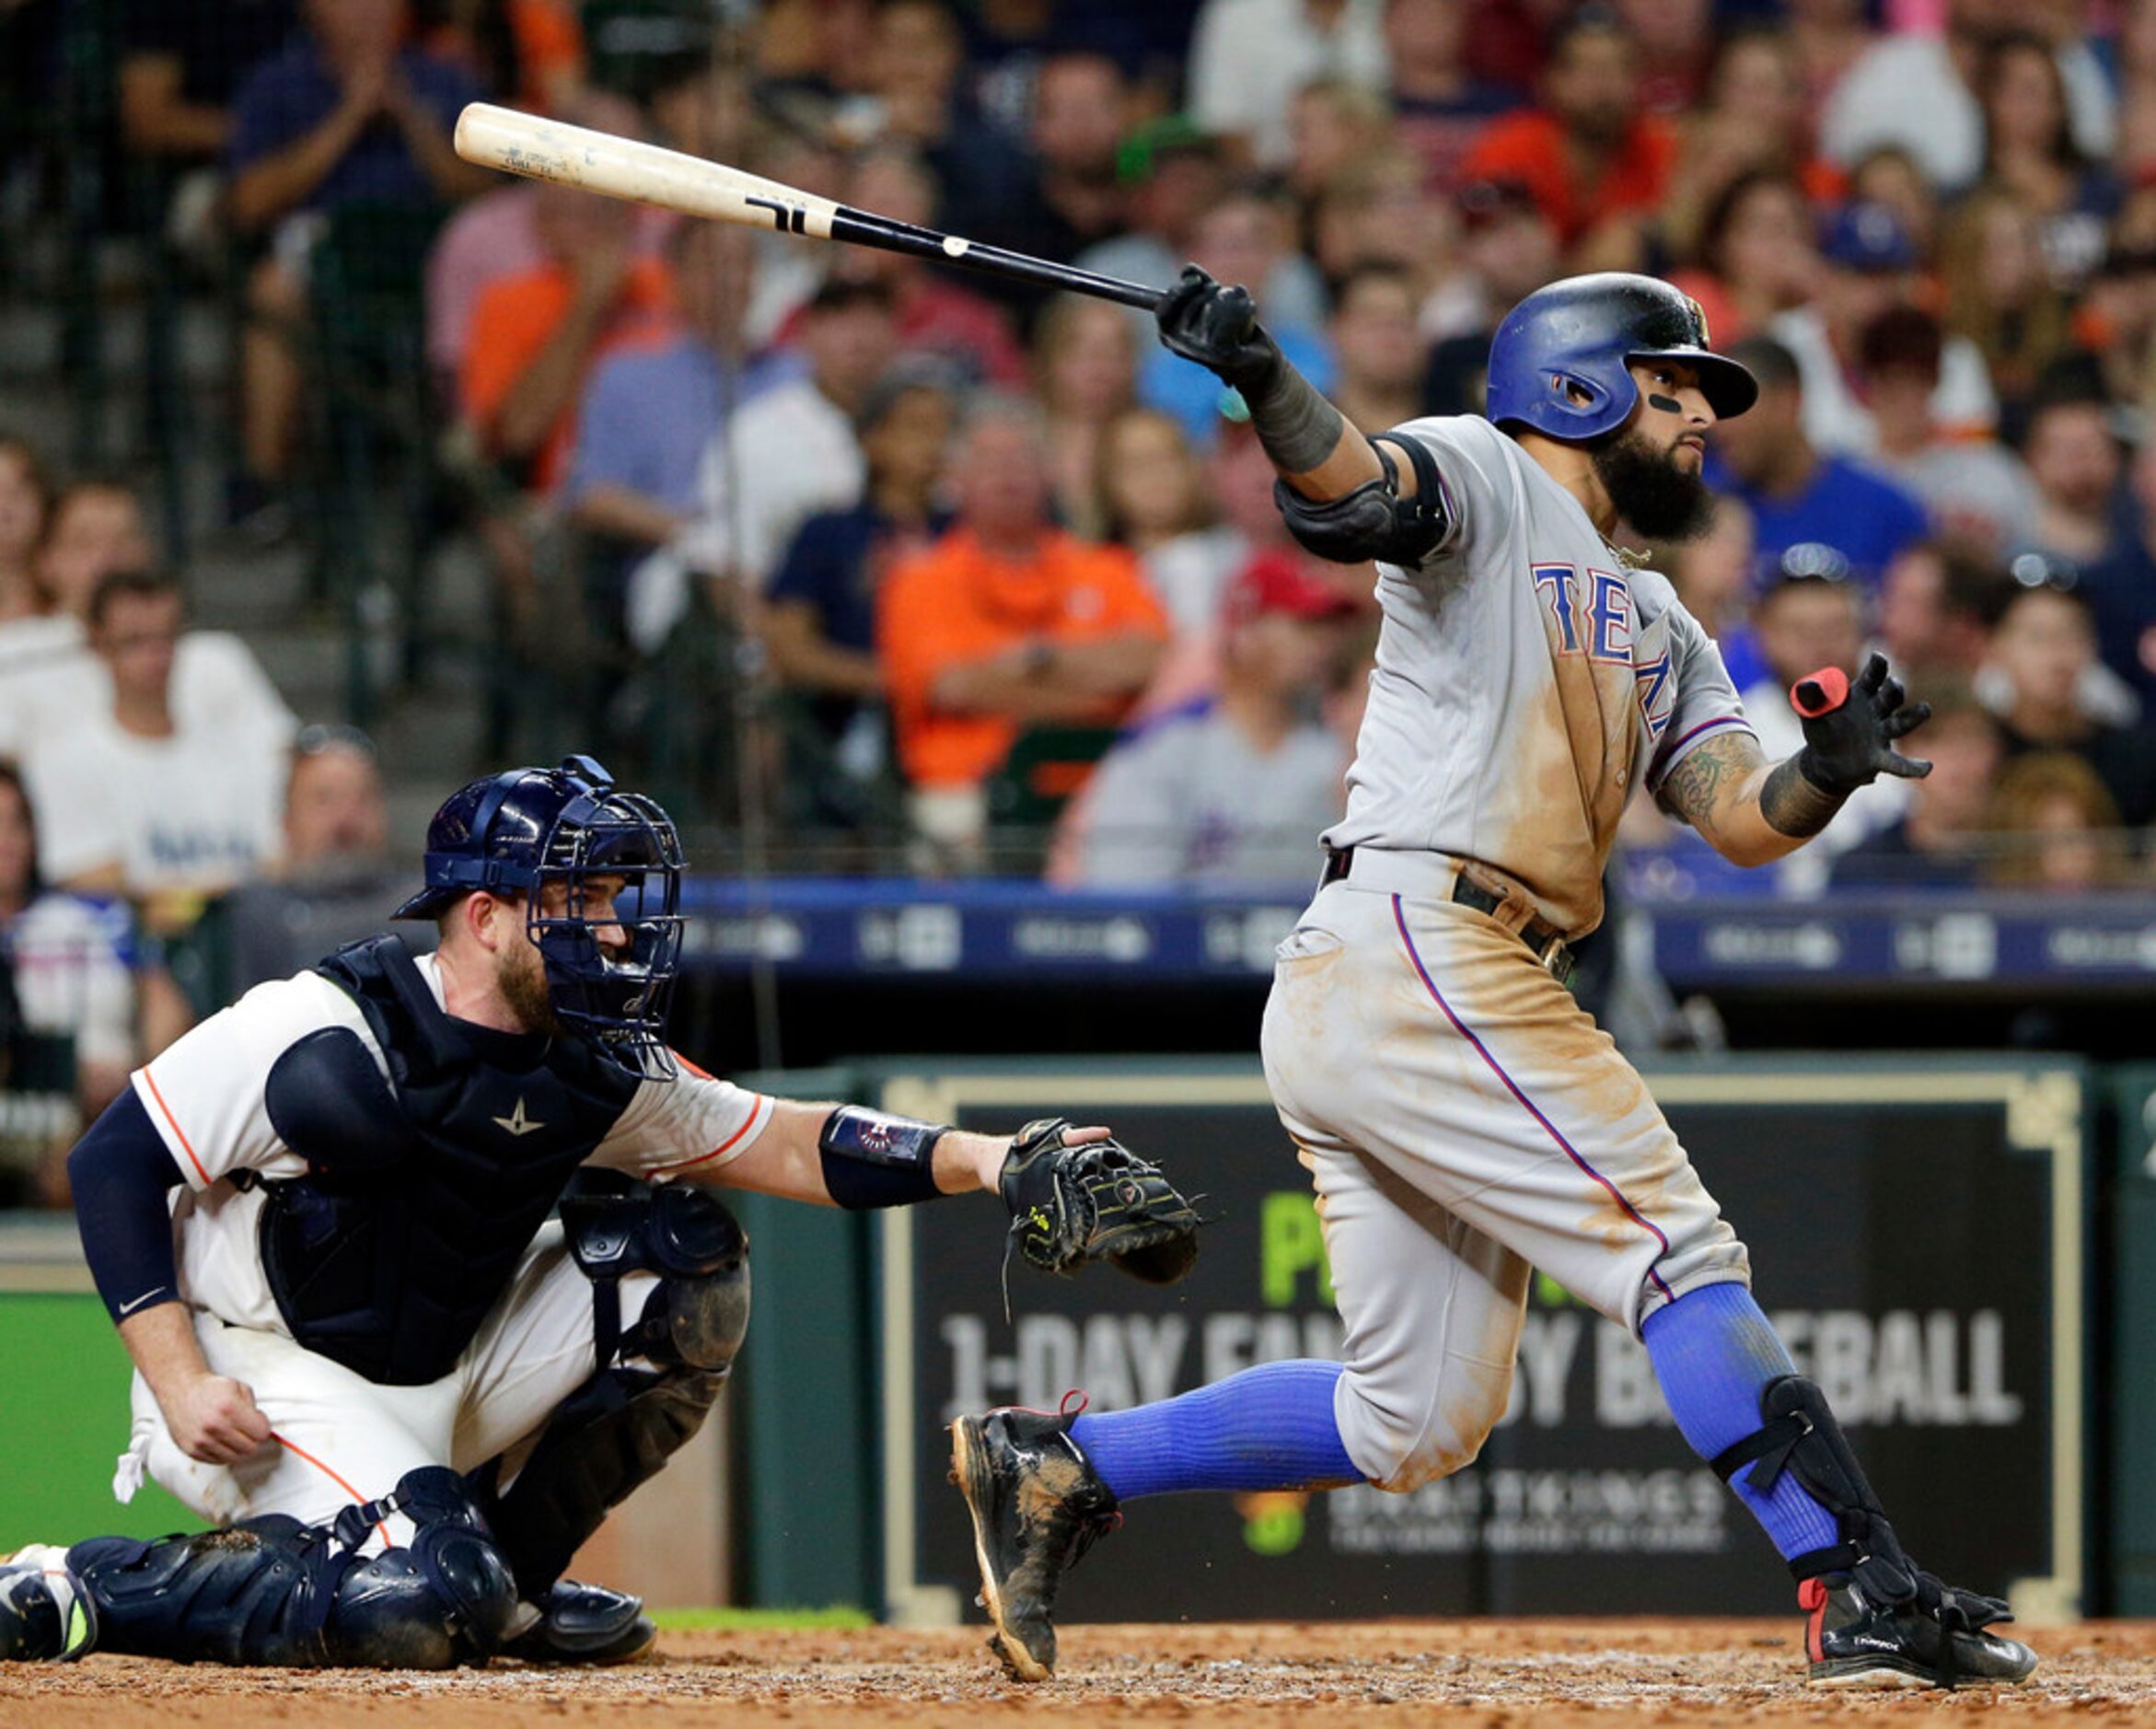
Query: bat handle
<point>862,228</point>
<point>1116,288</point>
<point>1086,281</point>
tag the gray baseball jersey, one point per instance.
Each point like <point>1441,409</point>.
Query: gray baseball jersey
<point>1526,681</point>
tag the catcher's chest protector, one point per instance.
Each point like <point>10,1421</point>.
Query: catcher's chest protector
<point>388,1265</point>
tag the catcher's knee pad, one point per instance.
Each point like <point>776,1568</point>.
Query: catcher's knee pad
<point>272,1591</point>
<point>1400,1437</point>
<point>447,1598</point>
<point>697,1314</point>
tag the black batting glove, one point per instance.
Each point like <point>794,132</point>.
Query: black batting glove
<point>1849,729</point>
<point>1218,328</point>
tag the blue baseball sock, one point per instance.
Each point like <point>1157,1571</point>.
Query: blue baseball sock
<point>1271,1427</point>
<point>1714,1353</point>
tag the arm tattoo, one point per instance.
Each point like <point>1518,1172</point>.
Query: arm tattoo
<point>1697,786</point>
<point>1791,805</point>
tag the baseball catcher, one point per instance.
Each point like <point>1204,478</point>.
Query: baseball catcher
<point>1463,1118</point>
<point>422,1268</point>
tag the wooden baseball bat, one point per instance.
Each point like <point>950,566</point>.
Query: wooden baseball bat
<point>623,167</point>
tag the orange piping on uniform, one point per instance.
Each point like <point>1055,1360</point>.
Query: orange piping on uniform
<point>332,1475</point>
<point>727,1143</point>
<point>186,1147</point>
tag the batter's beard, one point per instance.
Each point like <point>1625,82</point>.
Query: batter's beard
<point>1658,498</point>
<point>524,988</point>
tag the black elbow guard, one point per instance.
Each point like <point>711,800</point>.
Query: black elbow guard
<point>1373,521</point>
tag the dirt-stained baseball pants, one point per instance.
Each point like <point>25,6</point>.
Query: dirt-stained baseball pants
<point>1464,1121</point>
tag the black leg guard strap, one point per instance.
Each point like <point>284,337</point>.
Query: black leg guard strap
<point>1774,1443</point>
<point>272,1591</point>
<point>1800,1435</point>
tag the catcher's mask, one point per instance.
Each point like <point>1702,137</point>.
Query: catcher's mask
<point>521,831</point>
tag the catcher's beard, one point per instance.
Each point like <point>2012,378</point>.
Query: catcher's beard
<point>522,974</point>
<point>1658,498</point>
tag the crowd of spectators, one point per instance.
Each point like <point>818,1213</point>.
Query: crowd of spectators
<point>964,537</point>
<point>156,798</point>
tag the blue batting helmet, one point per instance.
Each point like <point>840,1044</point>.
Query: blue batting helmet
<point>1575,336</point>
<point>523,831</point>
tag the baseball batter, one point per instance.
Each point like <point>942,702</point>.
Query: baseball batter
<point>366,1350</point>
<point>1463,1118</point>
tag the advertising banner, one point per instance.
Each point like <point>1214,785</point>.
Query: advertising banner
<point>1916,1234</point>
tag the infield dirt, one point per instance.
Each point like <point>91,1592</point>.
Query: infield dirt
<point>1569,1672</point>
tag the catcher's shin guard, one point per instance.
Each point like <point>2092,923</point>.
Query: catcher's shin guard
<point>272,1591</point>
<point>619,1428</point>
<point>1037,1505</point>
<point>1874,1616</point>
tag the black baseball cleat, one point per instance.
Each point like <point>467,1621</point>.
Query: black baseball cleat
<point>1853,1642</point>
<point>584,1623</point>
<point>1037,1505</point>
<point>45,1615</point>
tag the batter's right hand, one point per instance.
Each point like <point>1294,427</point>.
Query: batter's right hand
<point>1218,328</point>
<point>214,1419</point>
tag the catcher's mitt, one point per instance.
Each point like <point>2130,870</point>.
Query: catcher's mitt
<point>1092,1202</point>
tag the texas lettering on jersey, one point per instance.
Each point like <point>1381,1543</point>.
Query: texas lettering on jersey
<point>1591,613</point>
<point>1528,682</point>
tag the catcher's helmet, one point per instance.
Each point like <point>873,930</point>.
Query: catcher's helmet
<point>1579,333</point>
<point>517,832</point>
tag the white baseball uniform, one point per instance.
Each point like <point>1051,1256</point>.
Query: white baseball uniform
<point>341,1438</point>
<point>1463,1117</point>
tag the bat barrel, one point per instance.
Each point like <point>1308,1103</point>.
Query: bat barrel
<point>614,167</point>
<point>626,168</point>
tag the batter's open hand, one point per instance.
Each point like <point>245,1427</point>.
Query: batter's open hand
<point>1218,328</point>
<point>1850,729</point>
<point>214,1419</point>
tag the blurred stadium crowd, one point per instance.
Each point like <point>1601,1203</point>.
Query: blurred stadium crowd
<point>899,568</point>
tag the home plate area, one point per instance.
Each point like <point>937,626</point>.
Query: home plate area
<point>1567,1672</point>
